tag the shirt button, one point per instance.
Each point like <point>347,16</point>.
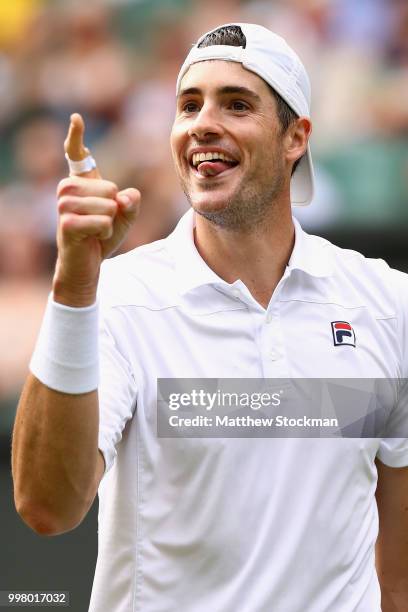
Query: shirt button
<point>236,293</point>
<point>269,317</point>
<point>273,355</point>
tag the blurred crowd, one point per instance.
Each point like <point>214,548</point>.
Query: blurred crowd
<point>116,63</point>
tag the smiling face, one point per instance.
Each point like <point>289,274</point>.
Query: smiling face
<point>228,113</point>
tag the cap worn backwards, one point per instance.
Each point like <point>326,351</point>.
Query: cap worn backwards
<point>271,58</point>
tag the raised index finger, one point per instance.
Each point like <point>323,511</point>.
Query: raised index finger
<point>74,144</point>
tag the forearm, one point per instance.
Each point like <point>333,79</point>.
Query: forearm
<point>54,456</point>
<point>393,581</point>
<point>392,542</point>
<point>394,599</point>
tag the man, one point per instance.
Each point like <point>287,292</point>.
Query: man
<point>238,290</point>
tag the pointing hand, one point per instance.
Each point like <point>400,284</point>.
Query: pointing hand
<point>94,218</point>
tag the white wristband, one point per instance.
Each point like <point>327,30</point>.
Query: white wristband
<point>83,165</point>
<point>66,354</point>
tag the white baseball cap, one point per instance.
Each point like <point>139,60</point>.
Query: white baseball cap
<point>271,58</point>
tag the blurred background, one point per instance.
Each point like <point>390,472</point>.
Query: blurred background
<point>115,62</point>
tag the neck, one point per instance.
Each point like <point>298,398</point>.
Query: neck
<point>257,256</point>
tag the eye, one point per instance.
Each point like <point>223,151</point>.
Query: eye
<point>238,105</point>
<point>190,107</point>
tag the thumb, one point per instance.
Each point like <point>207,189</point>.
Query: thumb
<point>128,208</point>
<point>74,144</point>
<point>129,203</point>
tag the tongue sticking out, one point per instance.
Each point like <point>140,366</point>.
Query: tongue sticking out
<point>212,168</point>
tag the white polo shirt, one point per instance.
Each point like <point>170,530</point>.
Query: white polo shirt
<point>239,524</point>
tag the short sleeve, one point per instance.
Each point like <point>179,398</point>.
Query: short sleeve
<point>393,451</point>
<point>117,393</point>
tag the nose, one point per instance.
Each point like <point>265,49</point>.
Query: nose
<point>206,123</point>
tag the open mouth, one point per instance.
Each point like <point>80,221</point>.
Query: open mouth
<point>211,164</point>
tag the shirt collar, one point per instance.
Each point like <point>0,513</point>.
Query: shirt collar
<point>308,255</point>
<point>191,269</point>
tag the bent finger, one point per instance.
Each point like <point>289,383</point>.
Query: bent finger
<point>81,186</point>
<point>76,228</point>
<point>87,206</point>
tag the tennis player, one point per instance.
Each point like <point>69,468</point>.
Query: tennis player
<point>238,290</point>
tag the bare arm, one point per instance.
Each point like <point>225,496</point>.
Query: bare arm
<point>56,463</point>
<point>392,543</point>
<point>55,459</point>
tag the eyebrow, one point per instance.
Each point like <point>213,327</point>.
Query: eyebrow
<point>227,89</point>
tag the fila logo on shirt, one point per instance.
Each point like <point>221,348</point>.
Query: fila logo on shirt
<point>343,334</point>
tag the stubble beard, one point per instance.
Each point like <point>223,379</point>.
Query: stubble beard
<point>250,205</point>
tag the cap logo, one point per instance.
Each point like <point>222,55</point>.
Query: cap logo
<point>343,334</point>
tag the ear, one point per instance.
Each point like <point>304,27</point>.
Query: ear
<point>297,138</point>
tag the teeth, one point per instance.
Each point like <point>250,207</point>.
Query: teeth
<point>200,157</point>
